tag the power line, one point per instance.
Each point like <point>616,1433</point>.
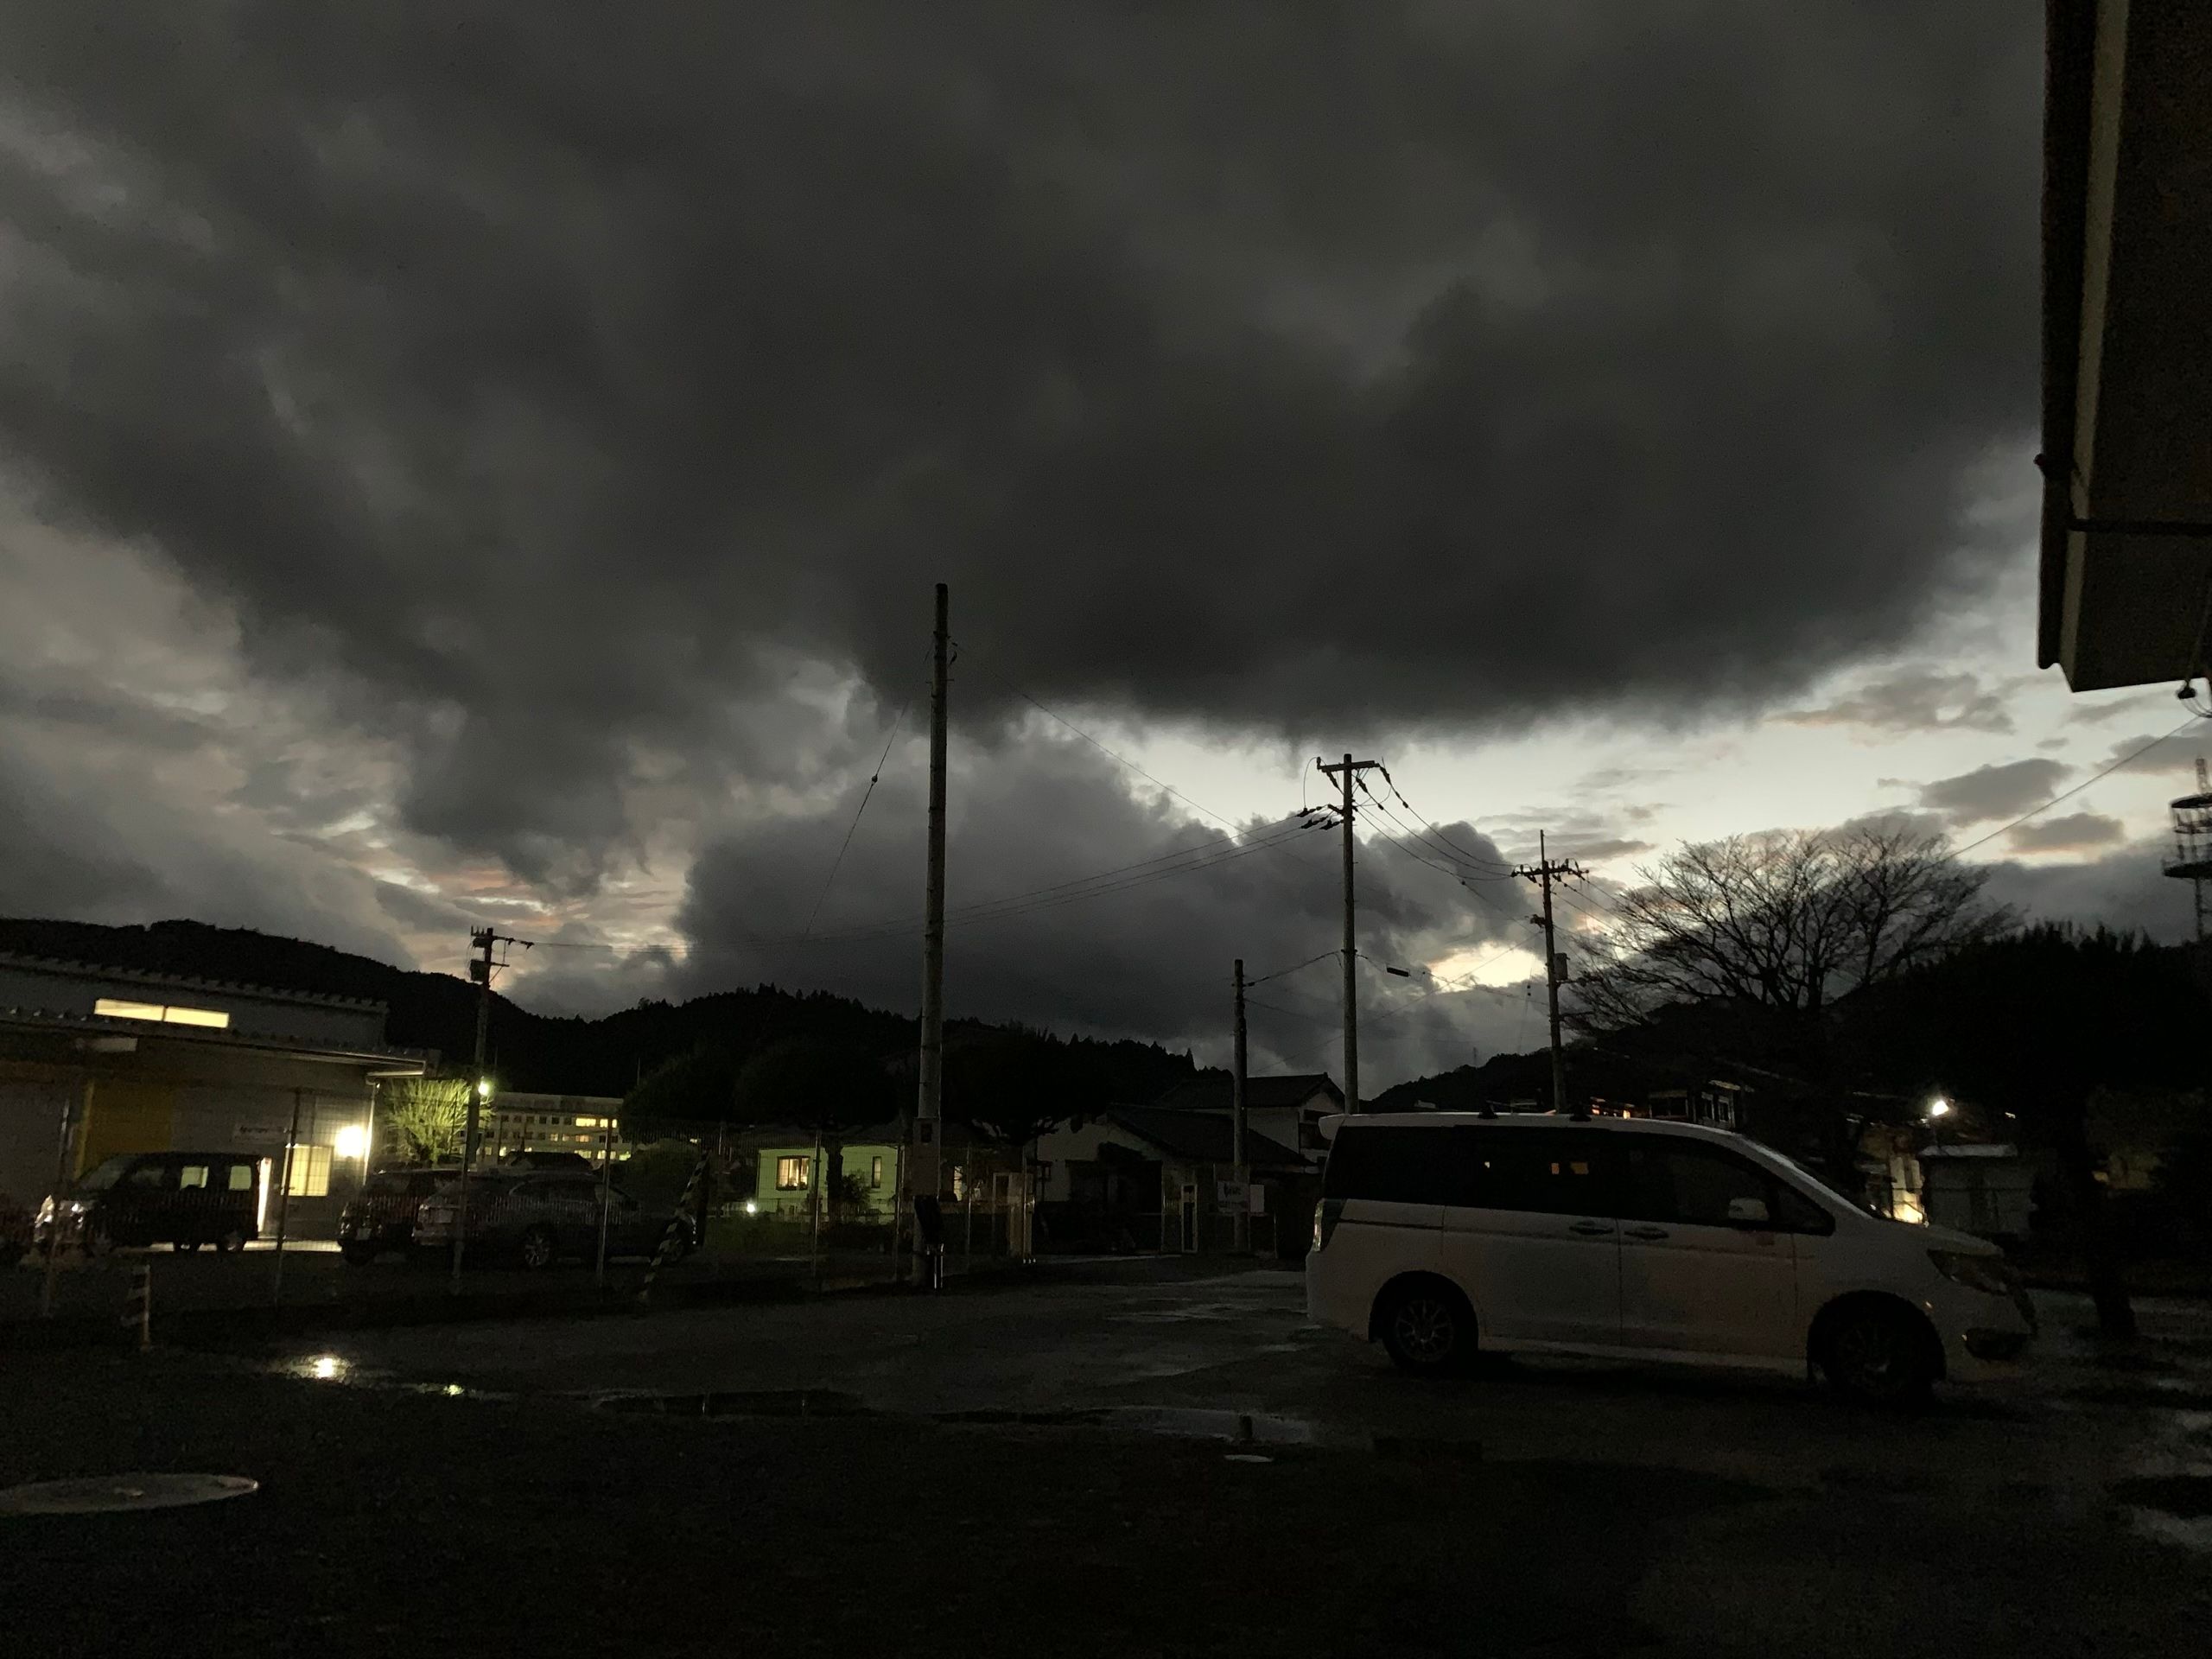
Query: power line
<point>1119,759</point>
<point>851,829</point>
<point>1459,868</point>
<point>2067,794</point>
<point>1504,871</point>
<point>1293,968</point>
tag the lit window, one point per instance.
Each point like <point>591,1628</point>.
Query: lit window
<point>310,1171</point>
<point>790,1174</point>
<point>241,1177</point>
<point>875,1171</point>
<point>116,1008</point>
<point>213,1017</point>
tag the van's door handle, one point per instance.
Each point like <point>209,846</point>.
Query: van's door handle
<point>1590,1228</point>
<point>1647,1232</point>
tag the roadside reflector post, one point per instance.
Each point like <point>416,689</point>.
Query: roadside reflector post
<point>138,1304</point>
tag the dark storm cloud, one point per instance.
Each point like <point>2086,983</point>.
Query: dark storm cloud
<point>2125,889</point>
<point>1994,791</point>
<point>554,376</point>
<point>1152,958</point>
<point>1915,700</point>
<point>2173,755</point>
<point>2075,832</point>
<point>101,848</point>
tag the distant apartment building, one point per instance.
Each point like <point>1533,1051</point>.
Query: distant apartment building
<point>584,1124</point>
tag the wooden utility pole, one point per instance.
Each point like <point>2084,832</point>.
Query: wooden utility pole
<point>1243,1230</point>
<point>284,1204</point>
<point>1346,772</point>
<point>76,1109</point>
<point>929,1107</point>
<point>483,939</point>
<point>1544,873</point>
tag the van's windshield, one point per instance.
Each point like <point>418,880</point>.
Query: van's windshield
<point>106,1174</point>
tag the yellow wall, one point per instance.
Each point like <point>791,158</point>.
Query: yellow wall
<point>127,1115</point>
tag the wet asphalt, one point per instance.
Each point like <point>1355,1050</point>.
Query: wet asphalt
<point>1118,1463</point>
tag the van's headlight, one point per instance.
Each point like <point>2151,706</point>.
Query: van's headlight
<point>1991,1275</point>
<point>46,1213</point>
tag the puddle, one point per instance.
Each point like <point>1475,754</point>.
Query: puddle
<point>745,1403</point>
<point>2129,1360</point>
<point>1201,1423</point>
<point>2159,1396</point>
<point>1179,1422</point>
<point>2186,1497</point>
<point>1896,1482</point>
<point>122,1494</point>
<point>1420,1449</point>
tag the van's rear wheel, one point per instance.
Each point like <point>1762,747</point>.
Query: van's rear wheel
<point>1429,1328</point>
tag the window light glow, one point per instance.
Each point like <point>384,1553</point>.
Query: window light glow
<point>113,1007</point>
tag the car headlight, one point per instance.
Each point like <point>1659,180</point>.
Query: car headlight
<point>1991,1275</point>
<point>46,1212</point>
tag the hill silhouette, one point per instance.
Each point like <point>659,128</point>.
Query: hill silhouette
<point>538,1053</point>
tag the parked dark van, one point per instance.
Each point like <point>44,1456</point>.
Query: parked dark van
<point>185,1198</point>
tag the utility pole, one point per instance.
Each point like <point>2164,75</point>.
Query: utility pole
<point>1545,872</point>
<point>1243,1231</point>
<point>1346,772</point>
<point>484,939</point>
<point>929,1107</point>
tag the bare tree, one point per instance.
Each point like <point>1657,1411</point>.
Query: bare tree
<point>1783,923</point>
<point>426,1116</point>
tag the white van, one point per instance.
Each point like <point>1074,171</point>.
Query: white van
<point>1439,1233</point>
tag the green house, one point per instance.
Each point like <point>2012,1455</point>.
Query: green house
<point>786,1173</point>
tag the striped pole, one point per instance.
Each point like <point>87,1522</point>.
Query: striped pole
<point>671,1240</point>
<point>138,1306</point>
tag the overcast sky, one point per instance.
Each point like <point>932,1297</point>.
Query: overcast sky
<point>490,461</point>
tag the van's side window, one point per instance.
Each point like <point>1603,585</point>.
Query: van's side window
<point>148,1176</point>
<point>192,1175</point>
<point>1389,1165</point>
<point>1691,1185</point>
<point>241,1177</point>
<point>1550,1171</point>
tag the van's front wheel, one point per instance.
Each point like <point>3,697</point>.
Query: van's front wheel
<point>1879,1355</point>
<point>1428,1328</point>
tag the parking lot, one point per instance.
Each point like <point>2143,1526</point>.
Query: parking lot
<point>1209,1469</point>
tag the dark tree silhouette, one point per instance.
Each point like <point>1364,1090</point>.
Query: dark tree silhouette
<point>2035,1023</point>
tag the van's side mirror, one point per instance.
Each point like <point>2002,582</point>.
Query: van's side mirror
<point>1748,1211</point>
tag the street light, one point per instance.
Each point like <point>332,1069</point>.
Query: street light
<point>352,1141</point>
<point>483,1088</point>
<point>1939,1106</point>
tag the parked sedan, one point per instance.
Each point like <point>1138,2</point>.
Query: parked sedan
<point>381,1216</point>
<point>536,1218</point>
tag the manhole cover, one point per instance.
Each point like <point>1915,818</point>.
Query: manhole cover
<point>113,1494</point>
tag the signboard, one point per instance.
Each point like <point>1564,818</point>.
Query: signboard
<point>1259,1196</point>
<point>1231,1195</point>
<point>258,1134</point>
